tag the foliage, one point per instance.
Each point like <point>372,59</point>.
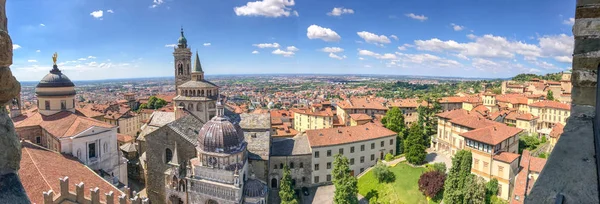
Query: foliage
<point>431,183</point>
<point>475,191</point>
<point>383,174</point>
<point>528,77</point>
<point>394,120</point>
<point>413,145</point>
<point>143,106</point>
<point>345,184</point>
<point>399,145</point>
<point>497,91</point>
<point>491,190</point>
<point>286,190</point>
<point>528,142</point>
<point>439,166</point>
<point>544,155</point>
<point>389,157</point>
<point>543,140</point>
<point>427,118</point>
<point>155,103</point>
<point>403,89</point>
<point>454,187</point>
<point>550,95</point>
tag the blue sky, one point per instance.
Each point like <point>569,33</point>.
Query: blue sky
<point>103,39</point>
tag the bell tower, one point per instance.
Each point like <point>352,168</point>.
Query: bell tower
<point>182,61</point>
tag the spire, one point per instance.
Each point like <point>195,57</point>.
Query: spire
<point>175,160</point>
<point>197,66</point>
<point>182,42</point>
<point>220,108</point>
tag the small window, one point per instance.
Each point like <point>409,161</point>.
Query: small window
<point>351,149</point>
<point>352,161</point>
<point>63,105</point>
<point>373,145</point>
<point>47,105</point>
<point>328,177</point>
<point>275,166</point>
<point>316,154</point>
<point>92,150</point>
<point>382,143</point>
<point>303,179</point>
<point>316,179</point>
<point>362,148</point>
<point>38,140</point>
<point>281,165</point>
<point>316,167</point>
<point>291,165</point>
<point>391,141</point>
<point>362,159</point>
<point>341,150</point>
<point>168,155</point>
<point>301,165</point>
<point>328,153</point>
<point>372,157</point>
<point>328,165</point>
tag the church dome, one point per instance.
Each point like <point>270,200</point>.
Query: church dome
<point>55,79</point>
<point>254,188</point>
<point>182,41</point>
<point>220,135</point>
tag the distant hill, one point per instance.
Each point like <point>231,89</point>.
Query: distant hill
<point>549,76</point>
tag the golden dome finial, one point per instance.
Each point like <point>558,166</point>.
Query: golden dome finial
<point>54,56</point>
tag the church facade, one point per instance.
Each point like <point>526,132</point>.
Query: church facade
<point>202,156</point>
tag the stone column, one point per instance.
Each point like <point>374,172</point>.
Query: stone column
<point>10,157</point>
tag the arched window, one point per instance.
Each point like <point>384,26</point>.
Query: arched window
<point>191,107</point>
<point>168,155</point>
<point>281,165</point>
<point>194,93</point>
<point>291,165</point>
<point>174,182</point>
<point>274,183</point>
<point>180,69</point>
<point>202,93</point>
<point>181,104</point>
<point>211,105</point>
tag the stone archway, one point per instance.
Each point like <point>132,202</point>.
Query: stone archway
<point>273,183</point>
<point>211,201</point>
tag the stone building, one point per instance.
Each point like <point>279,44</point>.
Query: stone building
<point>256,128</point>
<point>294,152</point>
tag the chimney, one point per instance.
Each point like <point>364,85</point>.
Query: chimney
<point>122,199</point>
<point>127,192</point>
<point>79,194</point>
<point>64,186</point>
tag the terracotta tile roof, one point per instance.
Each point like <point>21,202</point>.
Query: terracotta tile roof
<point>87,111</point>
<point>557,130</point>
<point>360,116</point>
<point>167,97</point>
<point>452,99</point>
<point>453,114</point>
<point>472,100</point>
<point>361,103</point>
<point>62,124</point>
<point>474,122</point>
<point>512,98</point>
<point>345,135</point>
<point>507,157</point>
<point>535,164</point>
<point>526,116</point>
<point>481,109</point>
<point>41,169</point>
<point>551,104</point>
<point>492,135</point>
<point>407,103</point>
<point>326,112</point>
<point>124,138</point>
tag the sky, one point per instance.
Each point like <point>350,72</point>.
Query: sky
<point>107,39</point>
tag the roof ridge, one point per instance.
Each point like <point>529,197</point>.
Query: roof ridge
<point>38,169</point>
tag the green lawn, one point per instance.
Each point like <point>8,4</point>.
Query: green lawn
<point>405,189</point>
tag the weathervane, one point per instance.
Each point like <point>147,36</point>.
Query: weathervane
<point>54,56</point>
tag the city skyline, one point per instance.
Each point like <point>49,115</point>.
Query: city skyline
<point>114,39</point>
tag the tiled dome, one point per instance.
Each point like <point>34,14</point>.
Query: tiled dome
<point>254,188</point>
<point>55,79</point>
<point>220,135</point>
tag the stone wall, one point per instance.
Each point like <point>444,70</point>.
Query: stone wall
<point>157,142</point>
<point>11,189</point>
<point>296,172</point>
<point>570,173</point>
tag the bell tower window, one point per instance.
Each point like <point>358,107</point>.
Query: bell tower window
<point>180,69</point>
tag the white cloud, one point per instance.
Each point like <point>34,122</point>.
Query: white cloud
<point>566,59</point>
<point>171,45</point>
<point>97,14</point>
<point>110,11</point>
<point>532,70</point>
<point>266,45</point>
<point>38,51</point>
<point>427,60</point>
<point>571,21</point>
<point>16,46</point>
<point>416,17</point>
<point>284,53</point>
<point>368,53</point>
<point>155,3</point>
<point>91,57</point>
<point>292,48</point>
<point>361,58</point>
<point>334,56</point>
<point>394,36</point>
<point>483,46</point>
<point>206,44</point>
<point>332,49</point>
<point>268,8</point>
<point>387,56</point>
<point>368,66</point>
<point>401,47</point>
<point>325,34</point>
<point>372,37</point>
<point>471,36</point>
<point>557,45</point>
<point>43,25</point>
<point>338,11</point>
<point>255,52</point>
<point>457,27</point>
<point>31,60</point>
<point>82,59</point>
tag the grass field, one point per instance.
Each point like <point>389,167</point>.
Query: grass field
<point>404,189</point>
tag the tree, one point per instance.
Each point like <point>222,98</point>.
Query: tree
<point>439,166</point>
<point>491,190</point>
<point>346,185</point>
<point>383,174</point>
<point>550,95</point>
<point>454,185</point>
<point>475,192</point>
<point>413,145</point>
<point>431,183</point>
<point>427,117</point>
<point>394,120</point>
<point>143,106</point>
<point>155,102</point>
<point>286,190</point>
<point>389,157</point>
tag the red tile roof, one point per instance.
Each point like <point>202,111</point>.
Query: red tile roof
<point>360,116</point>
<point>453,114</point>
<point>551,104</point>
<point>345,135</point>
<point>124,138</point>
<point>557,130</point>
<point>361,103</point>
<point>535,164</point>
<point>41,169</point>
<point>326,112</point>
<point>474,122</point>
<point>407,103</point>
<point>62,124</point>
<point>492,135</point>
<point>452,99</point>
<point>507,157</point>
